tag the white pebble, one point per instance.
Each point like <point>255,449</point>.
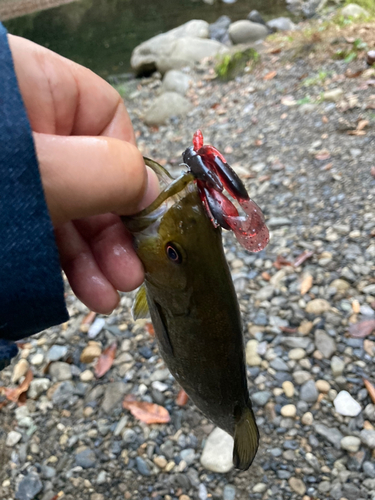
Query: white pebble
<point>346,405</point>
<point>96,328</point>
<point>13,438</point>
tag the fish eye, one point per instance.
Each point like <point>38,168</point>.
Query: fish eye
<point>173,254</point>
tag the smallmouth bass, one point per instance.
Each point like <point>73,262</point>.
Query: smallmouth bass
<point>188,289</point>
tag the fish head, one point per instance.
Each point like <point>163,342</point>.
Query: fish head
<point>174,236</point>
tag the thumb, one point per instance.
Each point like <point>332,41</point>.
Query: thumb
<point>85,176</point>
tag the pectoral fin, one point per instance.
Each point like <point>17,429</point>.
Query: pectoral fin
<point>161,329</point>
<point>140,306</point>
<point>246,440</point>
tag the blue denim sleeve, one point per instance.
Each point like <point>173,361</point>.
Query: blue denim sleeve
<point>31,286</point>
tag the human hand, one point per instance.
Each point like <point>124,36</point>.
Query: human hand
<point>90,170</point>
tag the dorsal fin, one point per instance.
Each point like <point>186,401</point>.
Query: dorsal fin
<point>140,306</point>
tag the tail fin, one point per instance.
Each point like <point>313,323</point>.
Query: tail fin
<point>246,440</point>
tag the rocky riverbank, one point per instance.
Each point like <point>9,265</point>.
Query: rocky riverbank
<point>16,8</point>
<point>299,128</point>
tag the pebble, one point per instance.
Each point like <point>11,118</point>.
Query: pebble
<point>297,485</point>
<point>96,327</point>
<point>60,371</point>
<point>337,366</point>
<point>217,452</point>
<point>331,434</point>
<point>13,438</point>
<point>324,343</point>
<point>288,389</point>
<point>37,387</point>
<point>92,351</point>
<point>86,458</point>
<point>368,438</point>
<point>259,488</point>
<point>308,392</point>
<point>317,306</point>
<point>37,359</point>
<point>160,462</point>
<point>297,354</point>
<point>142,466</point>
<point>333,95</point>
<point>307,418</point>
<point>301,377</point>
<point>20,370</point>
<point>86,376</point>
<point>323,386</point>
<point>57,352</point>
<point>346,405</point>
<point>351,443</point>
<point>252,357</point>
<point>369,469</point>
<point>29,486</point>
<point>261,398</point>
<point>229,492</point>
<point>288,411</point>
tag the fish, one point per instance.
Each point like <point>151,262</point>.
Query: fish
<point>189,294</point>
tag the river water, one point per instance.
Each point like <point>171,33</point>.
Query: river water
<point>101,34</point>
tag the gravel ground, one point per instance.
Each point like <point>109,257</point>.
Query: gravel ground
<point>313,180</point>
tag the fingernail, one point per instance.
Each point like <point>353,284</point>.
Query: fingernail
<point>152,189</point>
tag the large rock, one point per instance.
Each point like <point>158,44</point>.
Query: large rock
<point>354,10</point>
<point>218,30</point>
<point>217,452</point>
<point>146,55</point>
<point>165,106</point>
<point>245,31</point>
<point>281,24</point>
<point>188,50</point>
<point>176,81</point>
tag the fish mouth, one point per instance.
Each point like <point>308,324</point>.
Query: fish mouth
<point>174,190</point>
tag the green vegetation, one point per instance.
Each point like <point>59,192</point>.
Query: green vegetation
<point>231,65</point>
<point>316,80</point>
<point>351,53</point>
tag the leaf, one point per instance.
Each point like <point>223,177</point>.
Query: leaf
<point>281,261</point>
<point>87,320</point>
<point>15,394</point>
<point>149,413</point>
<point>362,329</point>
<point>306,284</point>
<point>182,398</point>
<point>370,389</point>
<point>301,258</point>
<point>150,328</point>
<point>105,360</point>
<point>270,75</point>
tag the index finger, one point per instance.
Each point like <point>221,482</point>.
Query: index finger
<point>64,98</point>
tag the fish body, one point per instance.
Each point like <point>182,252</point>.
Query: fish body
<point>195,312</point>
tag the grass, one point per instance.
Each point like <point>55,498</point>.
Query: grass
<point>316,80</point>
